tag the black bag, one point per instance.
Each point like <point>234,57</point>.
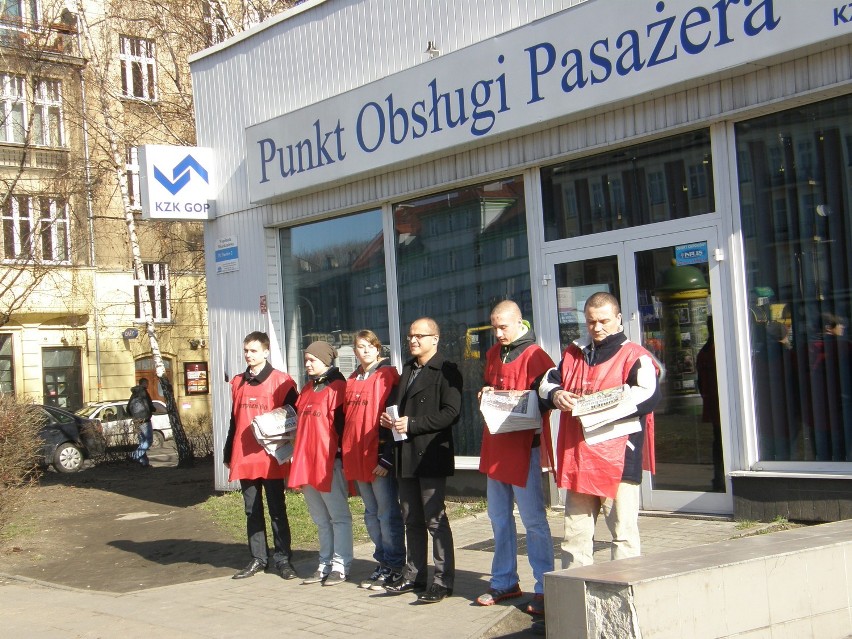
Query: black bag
<point>138,408</point>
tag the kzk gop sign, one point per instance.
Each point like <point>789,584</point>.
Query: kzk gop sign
<point>176,182</point>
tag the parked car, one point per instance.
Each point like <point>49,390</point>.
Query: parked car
<point>69,439</point>
<point>117,424</point>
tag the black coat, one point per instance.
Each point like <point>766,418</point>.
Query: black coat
<point>432,405</point>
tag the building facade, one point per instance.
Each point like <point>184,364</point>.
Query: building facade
<point>83,86</point>
<point>381,161</point>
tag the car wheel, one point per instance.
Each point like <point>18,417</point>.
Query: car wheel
<point>68,458</point>
<point>158,440</point>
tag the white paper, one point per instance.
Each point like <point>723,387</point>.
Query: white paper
<point>611,431</point>
<point>509,411</point>
<point>393,411</point>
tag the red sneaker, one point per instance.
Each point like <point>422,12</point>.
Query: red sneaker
<point>494,595</point>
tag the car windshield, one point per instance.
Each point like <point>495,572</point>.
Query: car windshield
<point>87,411</point>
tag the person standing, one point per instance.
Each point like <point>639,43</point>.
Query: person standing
<point>428,401</point>
<point>512,462</point>
<point>368,457</point>
<point>317,466</point>
<point>606,475</point>
<point>259,390</point>
<point>140,408</point>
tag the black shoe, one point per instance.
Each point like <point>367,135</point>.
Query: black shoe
<point>403,585</point>
<point>283,569</point>
<point>251,570</point>
<point>435,594</point>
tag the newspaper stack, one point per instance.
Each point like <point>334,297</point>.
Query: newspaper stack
<point>603,414</point>
<point>508,411</point>
<point>276,432</point>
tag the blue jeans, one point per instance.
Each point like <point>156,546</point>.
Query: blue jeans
<point>383,520</point>
<point>530,499</point>
<point>146,438</point>
<point>330,512</point>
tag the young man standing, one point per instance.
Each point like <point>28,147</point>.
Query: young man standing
<point>608,474</point>
<point>428,400</point>
<point>512,462</point>
<point>259,390</point>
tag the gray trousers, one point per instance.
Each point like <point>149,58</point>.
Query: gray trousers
<point>423,510</point>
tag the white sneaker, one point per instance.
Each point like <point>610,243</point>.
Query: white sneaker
<point>373,578</point>
<point>334,578</point>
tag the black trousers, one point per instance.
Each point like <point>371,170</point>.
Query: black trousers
<point>423,510</point>
<point>256,524</point>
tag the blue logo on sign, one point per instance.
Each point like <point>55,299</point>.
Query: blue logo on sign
<point>180,174</point>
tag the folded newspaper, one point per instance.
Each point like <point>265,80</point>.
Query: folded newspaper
<point>603,414</point>
<point>509,411</point>
<point>275,431</point>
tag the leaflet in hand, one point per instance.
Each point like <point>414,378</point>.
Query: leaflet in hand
<point>508,411</point>
<point>393,411</point>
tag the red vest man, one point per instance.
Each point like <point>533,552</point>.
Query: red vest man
<point>606,474</point>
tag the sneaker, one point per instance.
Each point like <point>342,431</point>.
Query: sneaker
<point>334,578</point>
<point>378,574</point>
<point>317,578</point>
<point>494,595</point>
<point>535,606</point>
<point>387,577</point>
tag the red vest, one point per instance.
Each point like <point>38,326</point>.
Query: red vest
<point>365,402</point>
<point>248,458</point>
<point>597,469</point>
<point>506,457</point>
<point>316,438</point>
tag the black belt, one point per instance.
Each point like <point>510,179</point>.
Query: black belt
<point>536,440</point>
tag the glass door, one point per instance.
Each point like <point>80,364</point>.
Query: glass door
<point>665,285</point>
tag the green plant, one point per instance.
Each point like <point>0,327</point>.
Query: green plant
<point>745,524</point>
<point>227,512</point>
<point>20,446</point>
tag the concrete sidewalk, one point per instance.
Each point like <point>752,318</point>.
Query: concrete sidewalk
<point>267,606</point>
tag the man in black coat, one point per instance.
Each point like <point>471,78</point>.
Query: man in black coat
<point>428,402</point>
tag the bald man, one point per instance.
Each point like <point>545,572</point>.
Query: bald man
<point>512,462</point>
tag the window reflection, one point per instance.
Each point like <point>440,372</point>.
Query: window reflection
<point>335,271</point>
<point>458,254</point>
<point>654,182</point>
<point>794,188</point>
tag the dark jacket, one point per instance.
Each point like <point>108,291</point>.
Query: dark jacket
<point>140,392</point>
<point>432,404</point>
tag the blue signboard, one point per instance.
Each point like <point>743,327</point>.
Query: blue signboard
<point>695,253</point>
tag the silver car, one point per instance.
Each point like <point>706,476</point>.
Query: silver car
<point>117,424</point>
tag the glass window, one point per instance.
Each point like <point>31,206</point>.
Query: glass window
<point>47,113</point>
<point>36,229</point>
<point>655,182</point>
<point>7,364</point>
<point>794,187</point>
<point>13,117</point>
<point>131,167</point>
<point>488,234</point>
<point>215,27</point>
<point>155,285</point>
<point>335,271</point>
<point>63,377</point>
<point>138,68</point>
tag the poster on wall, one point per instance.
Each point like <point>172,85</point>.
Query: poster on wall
<point>195,378</point>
